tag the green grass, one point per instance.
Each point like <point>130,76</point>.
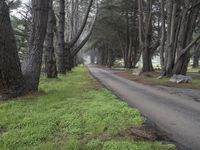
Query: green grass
<point>165,81</point>
<point>71,114</point>
<point>193,70</point>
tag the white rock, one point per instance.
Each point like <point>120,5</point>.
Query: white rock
<point>180,79</point>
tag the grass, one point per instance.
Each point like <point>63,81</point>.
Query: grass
<point>71,113</point>
<point>193,70</point>
<point>153,79</point>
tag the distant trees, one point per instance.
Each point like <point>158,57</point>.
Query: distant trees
<point>69,38</point>
<point>116,33</point>
<point>149,27</point>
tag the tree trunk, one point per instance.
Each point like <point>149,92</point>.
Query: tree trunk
<point>62,56</point>
<point>33,61</point>
<point>162,41</point>
<point>196,58</point>
<point>11,79</point>
<point>145,34</point>
<point>188,23</point>
<point>49,55</point>
<point>92,56</point>
<point>181,19</point>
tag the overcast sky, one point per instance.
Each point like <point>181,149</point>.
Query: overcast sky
<point>16,12</point>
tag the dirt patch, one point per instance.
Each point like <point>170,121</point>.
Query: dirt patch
<point>2,130</point>
<point>142,133</point>
<point>146,79</point>
<point>139,134</point>
<point>93,84</point>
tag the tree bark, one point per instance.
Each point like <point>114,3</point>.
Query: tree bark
<point>49,55</point>
<point>62,54</point>
<point>145,34</point>
<point>69,46</point>
<point>162,41</point>
<point>11,79</point>
<point>196,59</point>
<point>181,21</point>
<point>185,37</point>
<point>32,65</point>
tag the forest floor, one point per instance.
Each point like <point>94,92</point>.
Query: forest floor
<point>73,112</point>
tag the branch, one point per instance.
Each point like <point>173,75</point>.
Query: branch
<point>76,50</point>
<point>188,47</point>
<point>73,41</point>
<point>192,7</point>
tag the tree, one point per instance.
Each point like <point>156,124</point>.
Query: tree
<point>62,54</point>
<point>196,56</point>
<point>32,64</point>
<point>11,79</point>
<point>115,35</point>
<point>145,33</point>
<point>181,20</point>
<point>49,55</point>
<point>12,82</point>
<point>71,45</point>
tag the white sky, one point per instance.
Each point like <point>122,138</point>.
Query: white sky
<point>16,12</point>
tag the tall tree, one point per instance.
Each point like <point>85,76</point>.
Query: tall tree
<point>62,54</point>
<point>145,33</point>
<point>49,54</point>
<point>32,64</point>
<point>181,20</point>
<point>11,79</point>
<point>12,82</point>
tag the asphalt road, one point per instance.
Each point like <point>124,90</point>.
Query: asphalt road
<point>175,115</point>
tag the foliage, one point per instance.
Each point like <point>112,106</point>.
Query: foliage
<point>69,112</point>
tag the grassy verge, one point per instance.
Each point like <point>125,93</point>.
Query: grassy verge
<point>165,81</point>
<point>72,113</point>
<point>152,79</point>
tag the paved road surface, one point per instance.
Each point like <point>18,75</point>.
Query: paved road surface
<point>177,116</point>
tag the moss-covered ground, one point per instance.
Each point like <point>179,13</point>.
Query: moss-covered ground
<point>70,113</point>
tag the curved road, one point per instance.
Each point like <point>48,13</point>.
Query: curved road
<point>177,116</point>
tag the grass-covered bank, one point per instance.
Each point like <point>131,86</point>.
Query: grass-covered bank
<point>72,113</point>
<point>152,79</point>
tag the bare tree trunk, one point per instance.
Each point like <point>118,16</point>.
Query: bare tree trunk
<point>162,45</point>
<point>145,33</point>
<point>62,56</point>
<point>11,79</point>
<point>185,37</point>
<point>92,56</point>
<point>49,55</point>
<point>181,19</point>
<point>196,59</point>
<point>33,61</point>
<point>69,47</point>
<point>196,56</point>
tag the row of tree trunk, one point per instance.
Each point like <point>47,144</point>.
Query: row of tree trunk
<point>18,78</point>
<point>178,21</point>
<point>14,79</point>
